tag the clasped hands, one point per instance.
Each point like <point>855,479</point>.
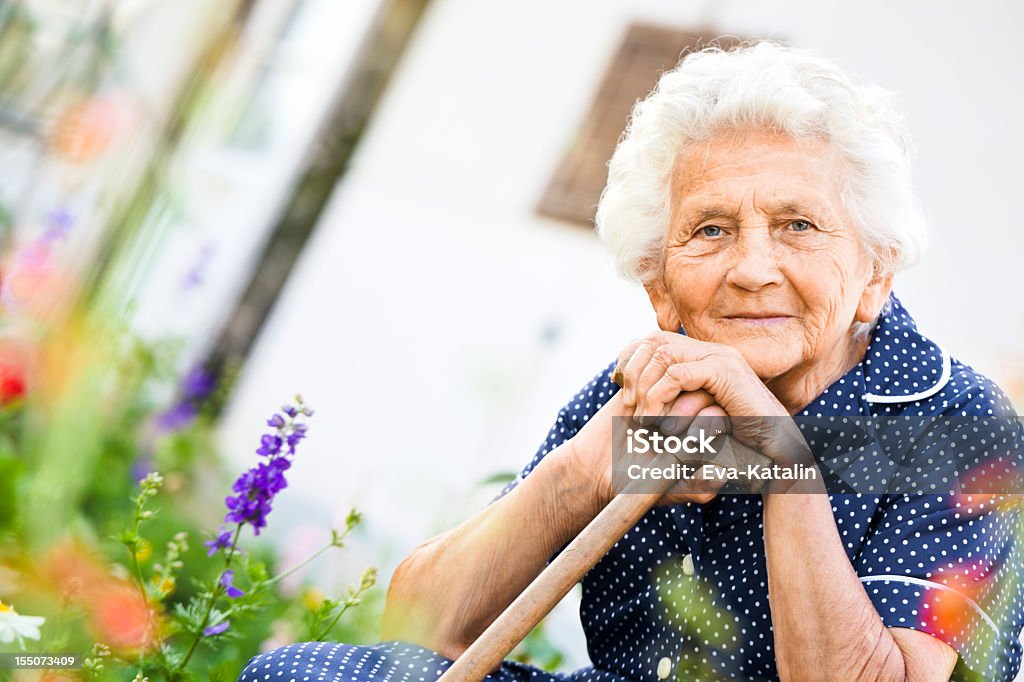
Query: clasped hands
<point>676,384</point>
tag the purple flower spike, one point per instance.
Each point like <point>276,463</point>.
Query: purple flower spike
<point>256,488</point>
<point>222,541</point>
<point>217,629</point>
<point>227,581</point>
<point>195,389</point>
<point>198,384</point>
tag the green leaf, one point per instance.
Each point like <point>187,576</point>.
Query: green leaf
<point>500,478</point>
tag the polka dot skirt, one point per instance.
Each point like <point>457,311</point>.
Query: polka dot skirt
<point>684,594</point>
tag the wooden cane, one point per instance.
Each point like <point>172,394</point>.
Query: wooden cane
<point>568,568</point>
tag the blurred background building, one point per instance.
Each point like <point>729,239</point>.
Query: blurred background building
<point>385,205</point>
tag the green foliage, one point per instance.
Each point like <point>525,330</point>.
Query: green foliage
<point>143,543</point>
<point>538,649</point>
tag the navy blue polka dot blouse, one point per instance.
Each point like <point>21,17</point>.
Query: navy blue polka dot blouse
<point>684,595</point>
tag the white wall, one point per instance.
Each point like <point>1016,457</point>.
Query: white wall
<point>437,323</point>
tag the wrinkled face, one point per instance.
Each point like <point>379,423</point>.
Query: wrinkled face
<point>761,255</point>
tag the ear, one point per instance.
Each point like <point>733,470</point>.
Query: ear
<point>668,318</point>
<point>874,297</point>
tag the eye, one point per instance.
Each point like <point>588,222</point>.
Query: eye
<point>800,226</point>
<point>711,231</point>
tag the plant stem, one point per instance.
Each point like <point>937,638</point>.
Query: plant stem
<point>336,541</point>
<point>350,602</point>
<point>278,578</point>
<point>139,580</point>
<point>212,601</point>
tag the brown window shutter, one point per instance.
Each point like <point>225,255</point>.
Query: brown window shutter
<point>645,52</point>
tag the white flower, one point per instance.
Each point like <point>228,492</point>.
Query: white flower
<point>14,627</point>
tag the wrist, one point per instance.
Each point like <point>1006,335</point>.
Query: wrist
<point>586,484</point>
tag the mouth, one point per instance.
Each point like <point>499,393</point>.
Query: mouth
<point>758,319</point>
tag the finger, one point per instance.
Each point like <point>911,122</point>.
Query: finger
<point>705,374</point>
<point>654,405</point>
<point>682,410</point>
<point>631,372</point>
<point>624,355</point>
<point>735,387</point>
<point>664,387</point>
<point>711,419</point>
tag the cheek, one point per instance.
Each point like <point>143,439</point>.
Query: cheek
<point>692,285</point>
<point>830,289</point>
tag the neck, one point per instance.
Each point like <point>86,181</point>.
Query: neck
<point>797,388</point>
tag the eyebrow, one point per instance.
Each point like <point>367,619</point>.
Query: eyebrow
<point>708,214</point>
<point>784,206</point>
<point>793,207</point>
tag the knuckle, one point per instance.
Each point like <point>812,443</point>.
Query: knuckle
<point>653,337</point>
<point>664,354</point>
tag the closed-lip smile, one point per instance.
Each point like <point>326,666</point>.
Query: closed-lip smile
<point>758,318</point>
<point>755,316</point>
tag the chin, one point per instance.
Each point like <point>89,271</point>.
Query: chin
<point>767,362</point>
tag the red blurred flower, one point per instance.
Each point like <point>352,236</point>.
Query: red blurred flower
<point>14,360</point>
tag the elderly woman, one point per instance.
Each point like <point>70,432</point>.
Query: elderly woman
<point>764,201</point>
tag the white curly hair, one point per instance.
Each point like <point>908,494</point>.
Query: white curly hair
<point>764,85</point>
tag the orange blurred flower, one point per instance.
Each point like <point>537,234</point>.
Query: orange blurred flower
<point>950,611</point>
<point>119,615</point>
<point>86,129</point>
<point>990,485</point>
<point>122,618</point>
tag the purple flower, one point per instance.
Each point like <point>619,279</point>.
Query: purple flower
<point>197,271</point>
<point>293,440</point>
<point>216,629</point>
<point>176,418</point>
<point>59,225</point>
<point>270,445</point>
<point>195,388</point>
<point>255,489</point>
<point>222,541</point>
<point>198,384</point>
<point>227,581</point>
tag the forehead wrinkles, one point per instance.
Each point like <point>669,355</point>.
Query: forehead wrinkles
<point>815,178</point>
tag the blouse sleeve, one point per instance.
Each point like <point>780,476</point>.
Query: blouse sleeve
<point>951,566</point>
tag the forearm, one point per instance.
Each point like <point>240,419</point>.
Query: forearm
<point>452,587</point>
<point>823,621</point>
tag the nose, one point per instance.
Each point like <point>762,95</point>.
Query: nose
<point>755,262</point>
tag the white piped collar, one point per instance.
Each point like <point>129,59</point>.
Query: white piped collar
<point>902,365</point>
